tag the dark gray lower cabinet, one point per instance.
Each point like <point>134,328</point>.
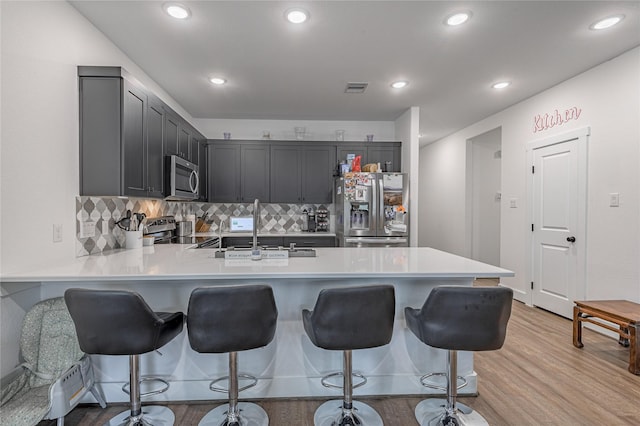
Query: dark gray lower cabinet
<point>299,241</point>
<point>316,241</point>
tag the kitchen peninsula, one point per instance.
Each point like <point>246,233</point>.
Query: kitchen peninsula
<point>291,366</point>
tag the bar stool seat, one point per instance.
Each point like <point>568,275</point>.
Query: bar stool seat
<point>230,319</point>
<point>346,319</point>
<point>458,318</point>
<point>116,322</point>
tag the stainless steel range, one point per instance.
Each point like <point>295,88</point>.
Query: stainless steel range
<point>163,229</point>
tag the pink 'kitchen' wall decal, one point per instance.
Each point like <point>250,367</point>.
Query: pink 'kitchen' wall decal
<point>547,121</point>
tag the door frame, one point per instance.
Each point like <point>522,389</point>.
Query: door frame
<point>582,137</point>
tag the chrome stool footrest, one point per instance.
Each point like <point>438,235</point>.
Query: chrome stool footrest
<point>126,386</point>
<point>425,383</point>
<point>216,388</point>
<point>327,384</point>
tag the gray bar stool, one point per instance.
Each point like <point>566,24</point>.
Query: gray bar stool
<point>115,322</point>
<point>345,319</point>
<point>229,319</point>
<point>458,318</point>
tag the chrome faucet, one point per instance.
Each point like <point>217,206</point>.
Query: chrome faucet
<point>256,219</point>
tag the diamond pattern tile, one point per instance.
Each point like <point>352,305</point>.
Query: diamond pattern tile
<point>106,211</point>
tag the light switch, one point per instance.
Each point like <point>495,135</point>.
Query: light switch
<point>614,199</point>
<point>57,232</point>
<point>513,203</point>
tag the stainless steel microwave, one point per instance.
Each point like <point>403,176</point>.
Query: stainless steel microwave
<point>181,179</point>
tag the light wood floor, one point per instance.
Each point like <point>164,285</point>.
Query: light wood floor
<point>537,378</point>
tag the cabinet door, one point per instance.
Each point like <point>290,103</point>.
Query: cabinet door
<point>134,142</point>
<point>343,151</point>
<point>223,173</point>
<point>382,153</point>
<point>310,241</point>
<point>171,126</point>
<point>155,152</point>
<point>100,136</point>
<point>254,173</point>
<point>318,166</point>
<point>184,141</point>
<point>285,174</point>
<point>202,167</point>
<point>194,150</point>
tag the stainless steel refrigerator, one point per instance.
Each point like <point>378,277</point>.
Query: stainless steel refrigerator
<point>372,210</point>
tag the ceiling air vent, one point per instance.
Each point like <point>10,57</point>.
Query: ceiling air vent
<point>355,87</point>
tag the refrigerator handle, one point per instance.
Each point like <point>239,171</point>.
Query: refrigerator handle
<point>380,216</point>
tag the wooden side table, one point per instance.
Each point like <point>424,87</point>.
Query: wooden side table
<point>623,313</point>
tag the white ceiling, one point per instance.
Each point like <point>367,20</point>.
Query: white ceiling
<point>277,70</point>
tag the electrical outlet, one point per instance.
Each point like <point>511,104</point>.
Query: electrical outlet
<point>87,229</point>
<point>57,232</point>
<point>513,203</point>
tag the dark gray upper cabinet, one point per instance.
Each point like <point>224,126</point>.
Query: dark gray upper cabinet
<point>114,144</point>
<point>285,174</point>
<point>184,142</point>
<point>203,168</point>
<point>155,147</point>
<point>302,174</point>
<point>194,150</point>
<point>356,149</point>
<point>125,131</point>
<point>382,153</point>
<point>172,134</point>
<point>238,172</point>
<point>375,152</point>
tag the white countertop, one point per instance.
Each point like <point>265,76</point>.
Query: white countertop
<point>179,262</point>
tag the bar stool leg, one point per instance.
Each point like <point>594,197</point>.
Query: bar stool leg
<point>446,412</point>
<point>235,413</point>
<point>346,412</point>
<point>152,415</point>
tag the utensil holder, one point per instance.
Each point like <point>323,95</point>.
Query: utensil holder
<point>133,239</point>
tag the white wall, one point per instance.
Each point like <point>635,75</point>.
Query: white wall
<point>407,128</point>
<point>483,194</point>
<point>609,97</point>
<point>42,43</point>
<point>283,129</point>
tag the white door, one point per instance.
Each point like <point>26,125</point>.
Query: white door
<point>558,189</point>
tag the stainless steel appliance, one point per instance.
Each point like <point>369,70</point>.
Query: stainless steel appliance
<point>181,179</point>
<point>164,231</point>
<point>372,210</point>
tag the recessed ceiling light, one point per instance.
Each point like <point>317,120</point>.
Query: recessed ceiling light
<point>217,80</point>
<point>606,22</point>
<point>177,10</point>
<point>458,18</point>
<point>501,84</point>
<point>296,16</point>
<point>399,84</point>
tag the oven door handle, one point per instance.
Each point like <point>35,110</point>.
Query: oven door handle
<point>194,188</point>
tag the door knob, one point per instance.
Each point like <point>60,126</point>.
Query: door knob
<point>571,239</point>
